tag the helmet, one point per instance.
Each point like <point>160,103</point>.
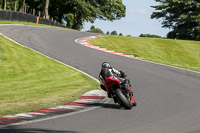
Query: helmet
<point>105,65</point>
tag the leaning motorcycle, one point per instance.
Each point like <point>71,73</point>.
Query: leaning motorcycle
<point>120,90</point>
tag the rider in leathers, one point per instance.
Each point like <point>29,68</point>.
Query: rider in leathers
<point>107,71</point>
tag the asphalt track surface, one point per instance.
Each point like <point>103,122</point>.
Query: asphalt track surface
<point>168,98</point>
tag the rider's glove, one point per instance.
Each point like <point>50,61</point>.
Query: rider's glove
<point>123,75</point>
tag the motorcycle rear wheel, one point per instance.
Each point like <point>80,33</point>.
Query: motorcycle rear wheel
<point>123,99</point>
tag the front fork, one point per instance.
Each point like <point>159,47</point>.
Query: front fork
<point>132,95</point>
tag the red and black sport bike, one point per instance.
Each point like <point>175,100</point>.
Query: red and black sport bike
<point>120,90</point>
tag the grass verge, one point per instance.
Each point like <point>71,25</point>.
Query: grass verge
<point>180,53</point>
<point>30,81</point>
<point>28,23</point>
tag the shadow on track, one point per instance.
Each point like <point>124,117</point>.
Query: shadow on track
<point>107,105</point>
<point>31,130</point>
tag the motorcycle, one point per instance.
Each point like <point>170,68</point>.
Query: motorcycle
<point>120,90</point>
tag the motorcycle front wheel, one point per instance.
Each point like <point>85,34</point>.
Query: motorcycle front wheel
<point>123,100</point>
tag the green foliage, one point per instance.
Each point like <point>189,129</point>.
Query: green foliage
<point>89,10</point>
<point>107,33</point>
<point>82,10</point>
<point>9,5</point>
<point>1,4</point>
<point>37,5</point>
<point>70,20</point>
<point>92,27</point>
<point>150,35</point>
<point>112,9</point>
<point>114,33</point>
<point>95,30</point>
<point>120,34</point>
<point>30,4</point>
<point>182,16</point>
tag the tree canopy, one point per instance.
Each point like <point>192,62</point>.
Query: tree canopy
<point>114,33</point>
<point>95,30</point>
<point>79,10</point>
<point>182,16</point>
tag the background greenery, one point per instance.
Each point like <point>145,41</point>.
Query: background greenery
<point>182,16</point>
<point>74,12</point>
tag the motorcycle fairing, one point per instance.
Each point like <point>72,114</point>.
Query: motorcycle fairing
<point>109,82</point>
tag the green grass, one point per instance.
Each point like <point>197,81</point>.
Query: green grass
<point>28,23</point>
<point>30,81</point>
<point>180,53</point>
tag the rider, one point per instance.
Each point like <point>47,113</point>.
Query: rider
<point>108,71</point>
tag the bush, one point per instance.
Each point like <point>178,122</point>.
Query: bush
<point>95,30</point>
<point>150,35</point>
<point>120,34</point>
<point>113,33</point>
<point>70,20</point>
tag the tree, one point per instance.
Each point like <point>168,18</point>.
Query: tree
<point>32,6</point>
<point>8,4</point>
<point>4,7</point>
<point>79,11</point>
<point>120,34</point>
<point>182,16</point>
<point>114,33</point>
<point>36,7</point>
<point>88,10</point>
<point>92,27</point>
<point>15,5</point>
<point>24,6</point>
<point>107,33</point>
<point>46,9</point>
<point>95,30</point>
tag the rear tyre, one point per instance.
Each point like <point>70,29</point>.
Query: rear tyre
<point>123,99</point>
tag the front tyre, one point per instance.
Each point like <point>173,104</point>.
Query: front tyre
<point>134,104</point>
<point>123,99</point>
